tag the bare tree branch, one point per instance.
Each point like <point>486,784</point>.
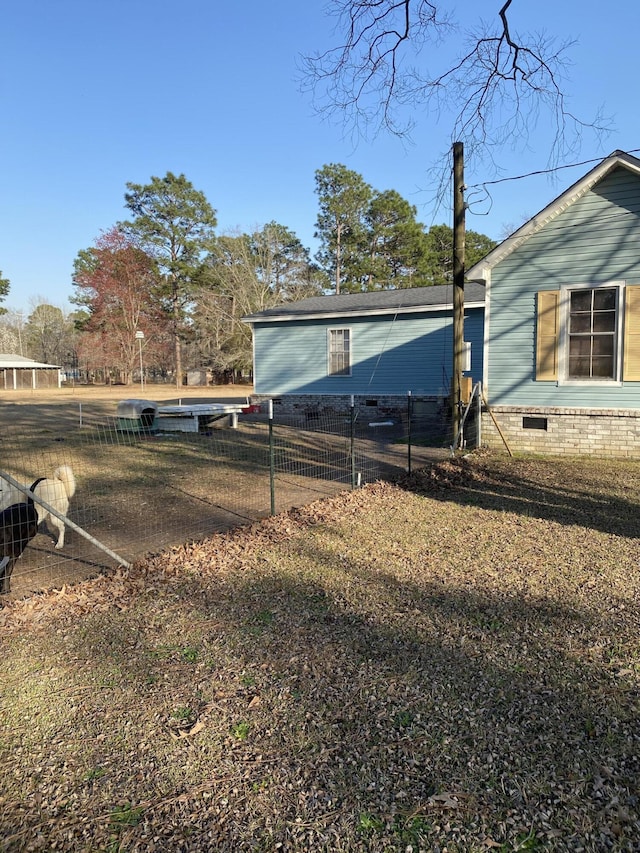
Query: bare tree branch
<point>491,93</point>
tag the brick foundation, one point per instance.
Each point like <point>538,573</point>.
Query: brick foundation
<point>598,432</point>
<point>381,407</point>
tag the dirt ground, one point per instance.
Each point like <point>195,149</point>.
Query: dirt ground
<point>130,512</point>
<point>69,404</point>
<point>141,496</point>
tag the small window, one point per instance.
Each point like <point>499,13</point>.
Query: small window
<point>339,352</point>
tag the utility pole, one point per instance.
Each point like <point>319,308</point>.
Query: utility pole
<point>458,283</point>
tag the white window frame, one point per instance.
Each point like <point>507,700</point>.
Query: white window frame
<point>331,374</point>
<point>563,353</point>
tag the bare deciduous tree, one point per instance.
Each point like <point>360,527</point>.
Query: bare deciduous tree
<point>244,274</point>
<point>489,83</point>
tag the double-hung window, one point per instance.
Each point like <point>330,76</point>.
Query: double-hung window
<point>589,333</point>
<point>339,344</point>
<point>592,333</point>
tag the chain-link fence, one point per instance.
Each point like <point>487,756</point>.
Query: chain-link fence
<point>141,489</point>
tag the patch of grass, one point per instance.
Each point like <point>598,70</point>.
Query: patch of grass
<point>369,824</point>
<point>241,730</point>
<point>259,622</point>
<point>190,654</point>
<point>183,713</point>
<point>124,816</point>
<point>403,719</point>
<point>264,617</point>
<point>523,842</point>
<point>412,830</point>
<point>95,773</point>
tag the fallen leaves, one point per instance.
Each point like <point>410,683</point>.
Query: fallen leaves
<point>451,661</point>
<point>185,732</point>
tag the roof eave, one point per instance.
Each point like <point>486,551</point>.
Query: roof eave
<point>346,315</point>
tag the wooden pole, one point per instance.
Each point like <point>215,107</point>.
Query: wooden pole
<point>496,425</point>
<point>458,283</point>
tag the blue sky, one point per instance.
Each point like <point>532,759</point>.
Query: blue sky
<point>96,94</point>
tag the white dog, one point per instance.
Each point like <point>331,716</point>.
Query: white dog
<point>10,495</point>
<point>56,491</point>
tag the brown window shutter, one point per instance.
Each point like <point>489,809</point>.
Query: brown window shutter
<point>547,331</point>
<point>631,365</point>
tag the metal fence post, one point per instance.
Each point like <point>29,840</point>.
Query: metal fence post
<point>409,419</point>
<point>353,442</point>
<point>272,461</point>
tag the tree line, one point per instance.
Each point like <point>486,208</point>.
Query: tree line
<point>166,273</point>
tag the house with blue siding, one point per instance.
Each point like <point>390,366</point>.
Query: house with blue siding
<point>376,347</point>
<point>562,321</point>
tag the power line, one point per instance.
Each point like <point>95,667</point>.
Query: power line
<point>543,171</point>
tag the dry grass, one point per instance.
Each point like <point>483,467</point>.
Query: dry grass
<point>450,663</point>
<point>137,494</point>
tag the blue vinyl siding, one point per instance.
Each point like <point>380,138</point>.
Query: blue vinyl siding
<point>595,240</point>
<point>389,355</point>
